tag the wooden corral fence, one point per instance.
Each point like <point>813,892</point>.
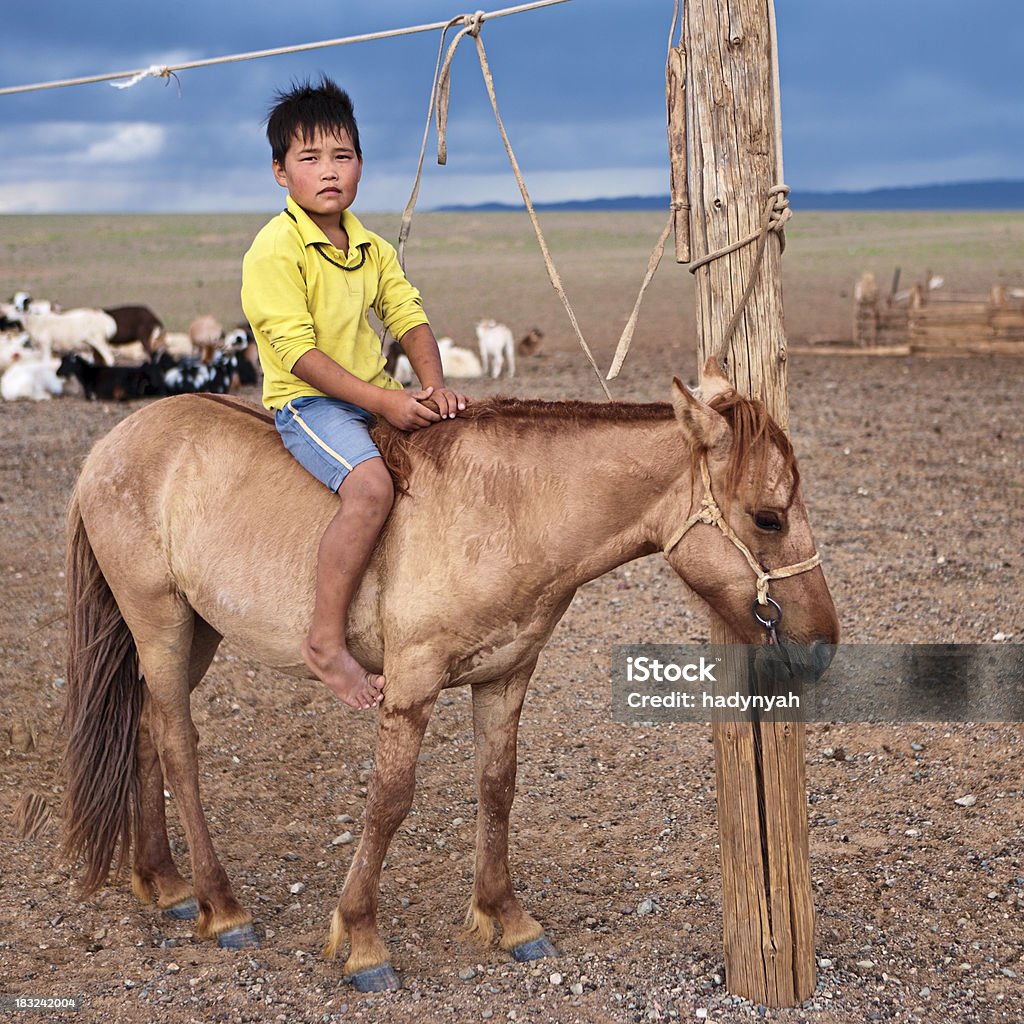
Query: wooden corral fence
<point>925,321</point>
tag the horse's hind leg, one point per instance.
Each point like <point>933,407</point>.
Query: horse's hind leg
<point>163,627</point>
<point>496,709</point>
<point>155,878</point>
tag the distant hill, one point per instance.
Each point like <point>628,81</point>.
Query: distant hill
<point>964,195</point>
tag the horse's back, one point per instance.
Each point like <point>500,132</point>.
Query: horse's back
<point>200,496</point>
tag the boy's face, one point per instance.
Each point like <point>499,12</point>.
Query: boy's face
<point>321,175</point>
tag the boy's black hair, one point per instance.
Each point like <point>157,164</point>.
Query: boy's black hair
<point>306,108</point>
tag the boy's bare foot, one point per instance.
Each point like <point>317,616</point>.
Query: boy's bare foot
<point>343,675</point>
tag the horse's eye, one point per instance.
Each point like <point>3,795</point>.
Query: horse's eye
<point>767,521</point>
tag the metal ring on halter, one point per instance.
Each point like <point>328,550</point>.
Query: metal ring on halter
<point>769,624</point>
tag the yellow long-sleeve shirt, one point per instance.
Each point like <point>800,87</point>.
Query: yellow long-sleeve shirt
<point>299,292</point>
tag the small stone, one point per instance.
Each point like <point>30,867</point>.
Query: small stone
<point>916,746</point>
<point>343,840</point>
<point>701,1013</point>
<point>825,963</point>
<point>966,801</point>
<point>866,964</point>
<point>23,737</point>
<point>467,974</point>
<point>173,968</point>
<point>645,907</point>
<point>555,979</point>
<point>576,988</point>
<point>296,887</point>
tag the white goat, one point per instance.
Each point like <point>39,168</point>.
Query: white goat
<point>35,379</point>
<point>14,347</point>
<point>403,370</point>
<point>458,362</point>
<point>496,347</point>
<point>64,333</point>
<point>455,362</point>
<point>24,303</point>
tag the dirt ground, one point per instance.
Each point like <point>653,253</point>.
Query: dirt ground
<point>912,471</point>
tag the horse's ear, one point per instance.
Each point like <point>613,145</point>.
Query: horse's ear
<point>703,427</point>
<point>713,382</point>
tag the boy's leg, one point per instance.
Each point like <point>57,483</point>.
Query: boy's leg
<point>330,439</point>
<point>345,548</point>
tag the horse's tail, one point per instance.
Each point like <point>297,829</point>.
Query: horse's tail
<point>102,711</point>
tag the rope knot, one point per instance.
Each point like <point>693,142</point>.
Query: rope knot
<point>780,212</point>
<point>472,23</point>
<point>153,71</point>
<point>709,512</point>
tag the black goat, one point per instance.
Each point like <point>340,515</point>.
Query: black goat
<point>189,375</point>
<point>112,383</point>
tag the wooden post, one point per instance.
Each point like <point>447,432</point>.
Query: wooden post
<point>733,160</point>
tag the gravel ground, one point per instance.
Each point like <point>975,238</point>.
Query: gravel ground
<point>912,472</point>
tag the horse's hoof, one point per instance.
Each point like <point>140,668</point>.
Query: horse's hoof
<point>184,910</point>
<point>535,949</point>
<point>375,979</point>
<point>242,936</point>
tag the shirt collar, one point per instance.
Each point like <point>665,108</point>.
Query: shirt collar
<point>311,234</point>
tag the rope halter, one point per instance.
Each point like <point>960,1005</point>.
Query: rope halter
<point>710,513</point>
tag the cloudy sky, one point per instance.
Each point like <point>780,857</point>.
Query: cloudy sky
<point>874,93</point>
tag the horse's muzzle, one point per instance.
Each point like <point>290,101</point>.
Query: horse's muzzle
<point>792,664</point>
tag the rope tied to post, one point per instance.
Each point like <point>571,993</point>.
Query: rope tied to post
<point>776,215</point>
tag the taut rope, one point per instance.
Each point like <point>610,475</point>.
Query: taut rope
<point>439,98</point>
<point>168,70</point>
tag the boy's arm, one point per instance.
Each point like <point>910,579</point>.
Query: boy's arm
<point>420,346</point>
<point>401,409</point>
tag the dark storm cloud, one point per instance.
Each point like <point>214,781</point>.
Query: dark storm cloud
<point>874,93</point>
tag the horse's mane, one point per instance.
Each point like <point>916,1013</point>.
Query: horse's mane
<point>754,431</point>
<point>754,435</point>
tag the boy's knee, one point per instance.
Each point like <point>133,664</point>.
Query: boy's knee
<point>370,484</point>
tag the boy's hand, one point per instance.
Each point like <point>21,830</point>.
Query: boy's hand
<point>449,403</point>
<point>405,410</point>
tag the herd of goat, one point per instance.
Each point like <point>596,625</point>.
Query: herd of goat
<point>43,348</point>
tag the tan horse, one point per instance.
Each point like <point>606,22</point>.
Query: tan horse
<point>190,523</point>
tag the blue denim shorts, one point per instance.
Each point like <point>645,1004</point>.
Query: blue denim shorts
<point>327,436</point>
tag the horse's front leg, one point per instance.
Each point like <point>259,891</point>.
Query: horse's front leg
<point>496,709</point>
<point>400,729</point>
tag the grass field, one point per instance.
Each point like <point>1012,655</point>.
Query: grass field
<point>471,265</point>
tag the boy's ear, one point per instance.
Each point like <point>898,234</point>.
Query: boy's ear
<point>279,175</point>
